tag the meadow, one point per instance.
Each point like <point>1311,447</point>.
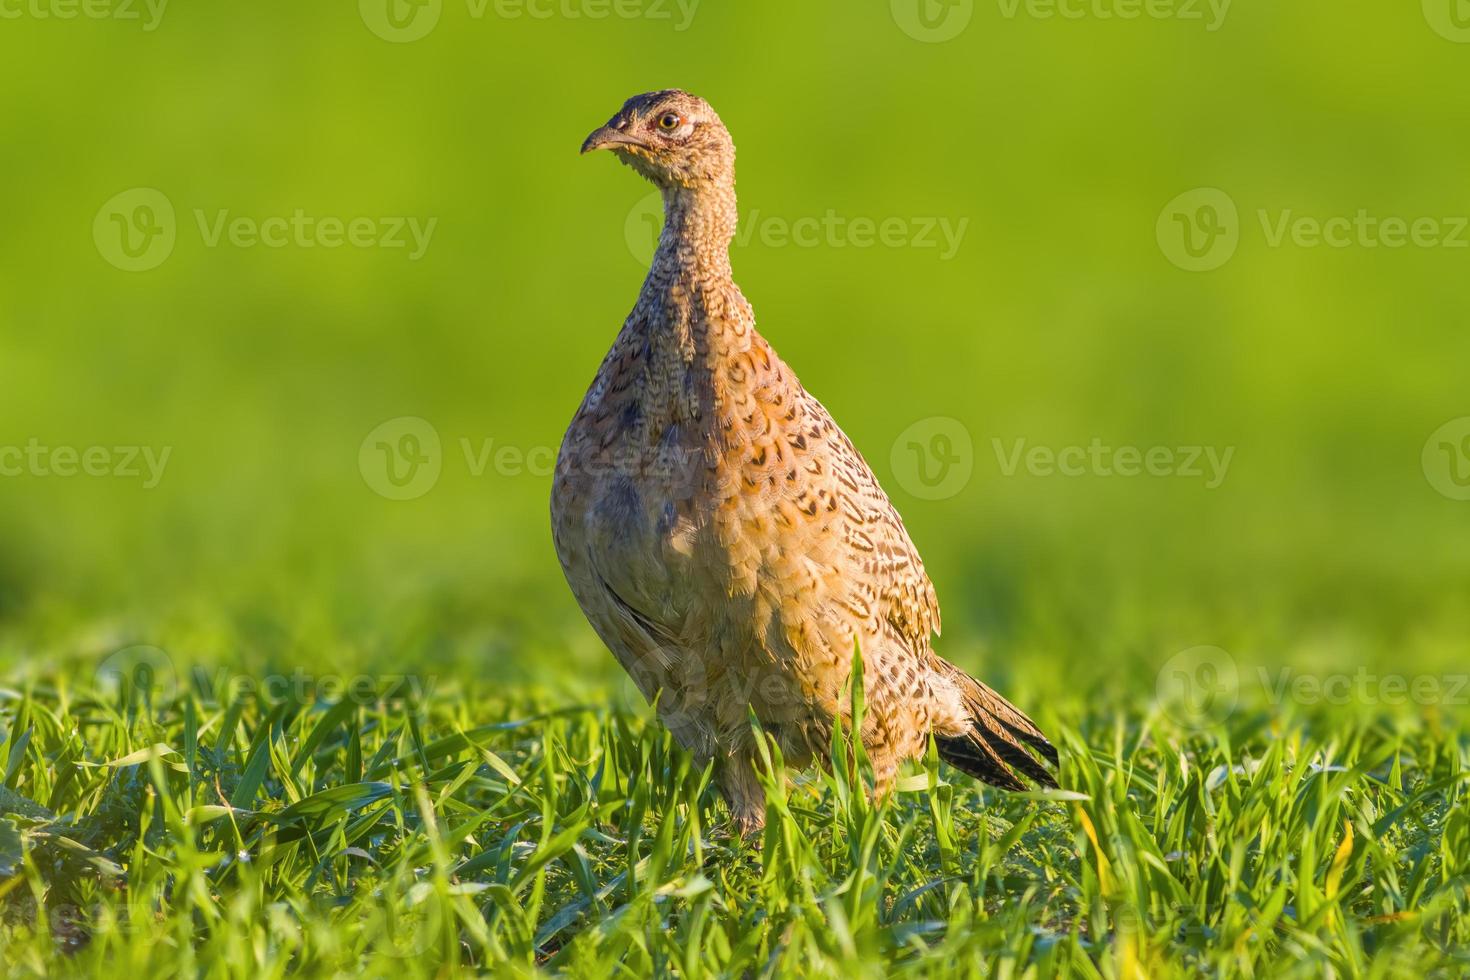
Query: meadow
<point>1153,327</point>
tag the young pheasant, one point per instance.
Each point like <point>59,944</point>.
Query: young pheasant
<point>725,538</point>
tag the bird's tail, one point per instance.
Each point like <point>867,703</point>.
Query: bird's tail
<point>997,745</point>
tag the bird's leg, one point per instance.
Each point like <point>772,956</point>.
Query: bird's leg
<point>743,793</point>
<point>885,776</point>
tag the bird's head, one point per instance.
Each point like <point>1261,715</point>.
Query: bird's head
<point>671,137</point>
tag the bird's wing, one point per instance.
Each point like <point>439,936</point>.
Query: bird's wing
<point>881,545</point>
<point>854,569</point>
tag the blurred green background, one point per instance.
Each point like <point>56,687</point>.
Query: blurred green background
<point>1060,318</point>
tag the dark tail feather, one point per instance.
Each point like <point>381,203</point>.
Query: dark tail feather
<point>995,747</point>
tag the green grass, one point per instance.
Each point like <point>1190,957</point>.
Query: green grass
<point>234,833</point>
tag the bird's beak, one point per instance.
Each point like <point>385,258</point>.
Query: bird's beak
<point>608,138</point>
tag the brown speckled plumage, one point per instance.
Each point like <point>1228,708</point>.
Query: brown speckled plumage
<point>725,538</point>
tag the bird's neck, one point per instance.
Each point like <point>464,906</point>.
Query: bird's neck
<point>691,322</point>
<point>699,225</point>
<point>690,314</point>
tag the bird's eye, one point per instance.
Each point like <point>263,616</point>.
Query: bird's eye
<point>670,121</point>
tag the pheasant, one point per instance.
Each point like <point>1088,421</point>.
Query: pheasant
<point>724,537</point>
